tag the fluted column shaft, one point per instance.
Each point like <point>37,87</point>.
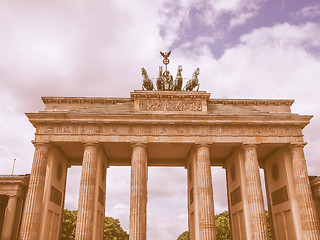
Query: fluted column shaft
<point>308,214</point>
<point>32,210</point>
<point>138,194</point>
<point>84,228</point>
<point>9,218</point>
<point>205,193</point>
<point>254,193</point>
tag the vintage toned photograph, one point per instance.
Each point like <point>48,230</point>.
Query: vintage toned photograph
<point>160,120</point>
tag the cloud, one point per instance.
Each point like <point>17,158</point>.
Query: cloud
<point>50,45</point>
<point>187,23</point>
<point>284,36</point>
<point>240,10</point>
<point>311,11</point>
<point>241,19</point>
<point>236,5</point>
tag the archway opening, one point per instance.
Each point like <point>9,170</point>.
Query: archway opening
<point>167,209</point>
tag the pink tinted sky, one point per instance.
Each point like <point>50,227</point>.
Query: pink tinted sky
<point>244,48</point>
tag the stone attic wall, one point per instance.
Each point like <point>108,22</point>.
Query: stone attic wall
<point>126,106</point>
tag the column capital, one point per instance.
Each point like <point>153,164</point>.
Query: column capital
<point>39,143</point>
<point>136,144</point>
<point>95,144</point>
<point>245,145</point>
<point>14,195</point>
<point>202,144</point>
<point>297,144</point>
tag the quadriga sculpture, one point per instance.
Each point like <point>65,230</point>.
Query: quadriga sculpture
<point>194,82</point>
<point>178,80</point>
<point>160,80</point>
<point>146,82</point>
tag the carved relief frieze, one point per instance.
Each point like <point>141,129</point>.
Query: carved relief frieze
<point>168,130</point>
<point>153,105</point>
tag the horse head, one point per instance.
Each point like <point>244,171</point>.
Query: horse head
<point>143,72</point>
<point>196,72</point>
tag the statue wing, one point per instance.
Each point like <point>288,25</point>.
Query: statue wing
<point>168,54</point>
<point>162,54</point>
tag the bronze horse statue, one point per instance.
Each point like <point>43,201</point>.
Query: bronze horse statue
<point>160,80</point>
<point>147,84</point>
<point>178,81</point>
<point>194,82</point>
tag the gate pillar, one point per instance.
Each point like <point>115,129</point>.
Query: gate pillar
<point>33,207</point>
<point>138,192</point>
<point>237,194</point>
<point>200,194</point>
<point>282,201</point>
<point>54,195</point>
<point>308,215</point>
<point>254,199</point>
<point>246,208</point>
<point>9,218</point>
<point>91,206</point>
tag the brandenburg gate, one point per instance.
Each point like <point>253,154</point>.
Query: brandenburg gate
<point>172,128</point>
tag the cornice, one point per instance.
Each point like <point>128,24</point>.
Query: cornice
<point>81,100</point>
<point>147,94</point>
<point>138,94</point>
<point>89,118</point>
<point>265,102</point>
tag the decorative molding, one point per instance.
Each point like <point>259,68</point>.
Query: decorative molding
<point>279,196</point>
<point>82,100</point>
<point>55,196</point>
<point>250,102</point>
<point>169,130</point>
<point>235,196</point>
<point>175,105</point>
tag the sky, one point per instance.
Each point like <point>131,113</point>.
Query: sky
<point>244,49</point>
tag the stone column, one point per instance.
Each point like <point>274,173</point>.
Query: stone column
<point>254,193</point>
<point>9,218</point>
<point>308,215</point>
<point>138,194</point>
<point>84,228</point>
<point>33,207</point>
<point>205,193</point>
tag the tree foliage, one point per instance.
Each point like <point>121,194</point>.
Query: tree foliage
<point>222,226</point>
<point>111,228</point>
<point>222,223</point>
<point>184,236</point>
<point>269,225</point>
<point>68,225</point>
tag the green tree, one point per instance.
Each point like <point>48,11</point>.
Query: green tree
<point>269,225</point>
<point>222,223</point>
<point>222,226</point>
<point>184,236</point>
<point>68,225</point>
<point>111,229</point>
